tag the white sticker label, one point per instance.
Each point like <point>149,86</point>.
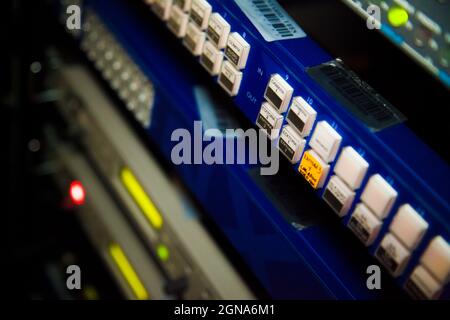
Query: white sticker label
<point>271,20</point>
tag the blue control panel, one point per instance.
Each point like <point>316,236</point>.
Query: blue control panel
<point>346,146</point>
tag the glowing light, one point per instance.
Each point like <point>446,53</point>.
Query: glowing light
<point>163,252</point>
<point>141,198</point>
<point>398,16</point>
<point>128,272</point>
<point>77,193</point>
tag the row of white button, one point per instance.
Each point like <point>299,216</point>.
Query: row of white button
<point>300,118</point>
<point>189,20</point>
<point>325,142</point>
<point>277,95</point>
<point>351,167</point>
<point>378,196</point>
<point>407,227</point>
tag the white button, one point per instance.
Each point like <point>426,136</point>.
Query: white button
<point>269,120</point>
<point>422,285</point>
<point>437,259</point>
<point>408,226</point>
<point>184,5</point>
<point>278,93</point>
<point>200,12</point>
<point>379,196</point>
<point>194,39</point>
<point>393,255</point>
<point>230,78</point>
<point>218,30</point>
<point>211,58</point>
<point>338,196</point>
<point>325,141</point>
<point>351,167</point>
<point>162,8</point>
<point>237,50</point>
<point>291,144</point>
<point>364,224</point>
<point>301,116</point>
<point>178,21</point>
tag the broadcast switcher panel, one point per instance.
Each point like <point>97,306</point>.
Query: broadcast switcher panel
<point>350,145</point>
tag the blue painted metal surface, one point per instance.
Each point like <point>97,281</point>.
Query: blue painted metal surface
<point>322,260</point>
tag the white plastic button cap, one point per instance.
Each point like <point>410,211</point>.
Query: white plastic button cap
<point>338,196</point>
<point>436,259</point>
<point>365,224</point>
<point>218,30</point>
<point>325,141</point>
<point>351,167</point>
<point>269,120</point>
<point>425,282</point>
<point>194,39</point>
<point>211,58</point>
<point>200,13</point>
<point>408,226</point>
<point>278,93</point>
<point>178,21</point>
<point>301,116</point>
<point>291,144</point>
<point>162,8</point>
<point>230,78</point>
<point>237,50</point>
<point>184,5</point>
<point>393,254</point>
<point>379,196</point>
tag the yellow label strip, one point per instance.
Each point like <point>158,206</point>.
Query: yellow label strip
<point>311,169</point>
<point>141,198</point>
<point>128,272</point>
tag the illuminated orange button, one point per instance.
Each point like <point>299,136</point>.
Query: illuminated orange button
<point>313,169</point>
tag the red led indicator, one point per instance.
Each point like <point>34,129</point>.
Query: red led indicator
<point>77,193</point>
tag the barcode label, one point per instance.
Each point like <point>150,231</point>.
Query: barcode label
<point>356,95</point>
<point>270,19</point>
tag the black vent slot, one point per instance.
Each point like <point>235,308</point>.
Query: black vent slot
<point>356,95</point>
